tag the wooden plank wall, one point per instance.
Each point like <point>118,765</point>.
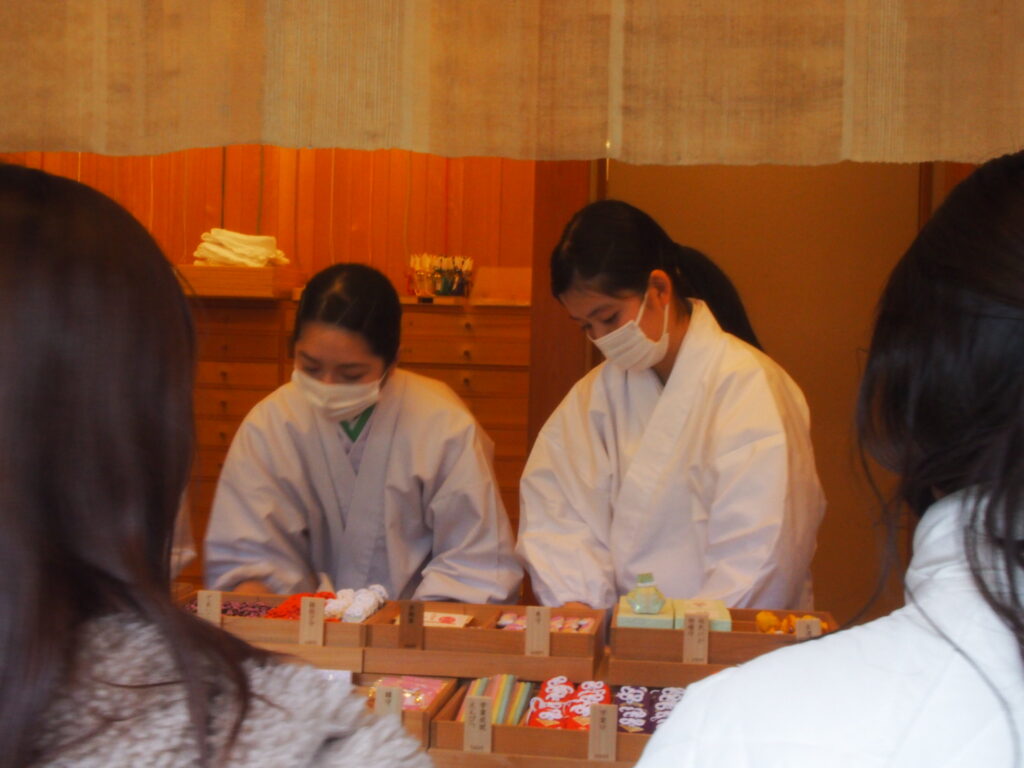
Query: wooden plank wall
<point>323,205</point>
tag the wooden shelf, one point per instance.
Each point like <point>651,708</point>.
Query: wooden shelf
<point>238,282</point>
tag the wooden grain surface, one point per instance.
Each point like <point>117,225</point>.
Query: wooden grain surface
<point>323,205</point>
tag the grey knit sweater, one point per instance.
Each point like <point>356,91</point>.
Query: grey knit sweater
<point>296,717</point>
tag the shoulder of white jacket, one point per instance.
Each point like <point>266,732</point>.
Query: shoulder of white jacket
<point>286,404</point>
<point>579,400</point>
<point>432,404</point>
<point>741,364</point>
<point>595,381</point>
<point>419,390</point>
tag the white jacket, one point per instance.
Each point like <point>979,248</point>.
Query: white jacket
<point>423,515</point>
<point>708,483</point>
<point>893,692</point>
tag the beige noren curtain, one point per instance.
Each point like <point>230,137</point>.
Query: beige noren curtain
<point>645,81</point>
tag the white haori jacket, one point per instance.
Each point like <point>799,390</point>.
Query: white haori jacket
<point>708,482</point>
<point>423,516</point>
<point>937,684</point>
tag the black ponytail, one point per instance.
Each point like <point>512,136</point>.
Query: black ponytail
<point>695,275</point>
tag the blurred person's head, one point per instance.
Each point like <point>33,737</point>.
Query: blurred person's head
<point>96,365</point>
<point>942,399</point>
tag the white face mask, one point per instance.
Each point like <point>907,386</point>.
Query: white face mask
<point>337,402</point>
<point>629,348</point>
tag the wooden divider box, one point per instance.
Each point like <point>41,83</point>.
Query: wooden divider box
<point>415,721</point>
<point>481,648</point>
<point>342,646</point>
<point>640,656</point>
<point>524,741</point>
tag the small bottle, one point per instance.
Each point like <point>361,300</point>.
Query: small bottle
<point>645,597</point>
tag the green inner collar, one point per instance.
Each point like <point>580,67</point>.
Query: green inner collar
<point>355,428</point>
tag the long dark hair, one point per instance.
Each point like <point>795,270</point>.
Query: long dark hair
<point>357,298</point>
<point>96,363</point>
<point>942,398</point>
<point>613,247</point>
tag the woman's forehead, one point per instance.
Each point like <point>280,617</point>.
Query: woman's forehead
<point>329,342</point>
<point>582,301</point>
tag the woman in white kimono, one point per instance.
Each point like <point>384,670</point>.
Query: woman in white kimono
<point>358,470</point>
<point>686,454</point>
<point>938,683</point>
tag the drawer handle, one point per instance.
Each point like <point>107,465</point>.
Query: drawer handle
<point>224,348</point>
<point>465,381</point>
<point>224,405</point>
<point>224,376</point>
<point>223,435</point>
<point>466,354</point>
<point>467,325</point>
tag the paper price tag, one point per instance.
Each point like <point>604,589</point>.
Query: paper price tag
<point>538,631</point>
<point>311,621</point>
<point>695,638</point>
<point>410,624</point>
<point>208,605</point>
<point>388,700</point>
<point>476,734</point>
<point>807,628</point>
<point>604,722</point>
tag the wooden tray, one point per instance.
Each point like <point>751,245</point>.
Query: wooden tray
<point>343,642</point>
<point>655,656</point>
<point>415,722</point>
<point>522,741</point>
<point>285,631</point>
<point>480,649</point>
<point>743,643</point>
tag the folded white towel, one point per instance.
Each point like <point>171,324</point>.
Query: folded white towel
<point>217,255</point>
<point>237,239</point>
<point>226,248</point>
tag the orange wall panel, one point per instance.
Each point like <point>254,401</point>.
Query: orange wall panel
<point>481,210</point>
<point>398,213</point>
<point>322,205</point>
<point>243,176</point>
<point>202,200</point>
<point>454,194</point>
<point>377,226</point>
<point>416,224</point>
<point>306,202</point>
<point>277,204</point>
<point>515,220</point>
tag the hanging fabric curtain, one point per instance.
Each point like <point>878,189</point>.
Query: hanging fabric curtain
<point>645,81</point>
